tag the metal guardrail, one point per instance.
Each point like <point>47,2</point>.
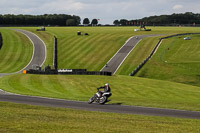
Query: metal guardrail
<point>154,50</point>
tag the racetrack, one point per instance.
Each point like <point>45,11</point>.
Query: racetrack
<point>116,108</point>
<point>115,62</point>
<point>39,57</point>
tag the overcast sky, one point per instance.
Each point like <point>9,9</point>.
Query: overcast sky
<point>105,10</point>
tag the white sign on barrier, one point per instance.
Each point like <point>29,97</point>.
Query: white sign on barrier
<point>65,70</point>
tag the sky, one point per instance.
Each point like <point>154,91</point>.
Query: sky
<point>105,10</point>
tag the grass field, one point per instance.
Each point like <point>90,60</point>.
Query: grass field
<point>33,119</point>
<point>126,90</point>
<point>93,51</point>
<point>16,51</point>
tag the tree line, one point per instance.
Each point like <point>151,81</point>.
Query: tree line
<point>187,18</point>
<point>40,20</point>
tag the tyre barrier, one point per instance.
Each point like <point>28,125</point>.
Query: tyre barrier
<point>1,41</point>
<point>55,56</point>
<point>154,50</point>
<point>67,72</point>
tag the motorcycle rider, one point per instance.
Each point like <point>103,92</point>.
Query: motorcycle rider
<point>106,88</point>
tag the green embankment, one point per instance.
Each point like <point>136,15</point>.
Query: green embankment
<point>16,51</point>
<point>126,90</point>
<point>33,119</point>
<point>176,60</point>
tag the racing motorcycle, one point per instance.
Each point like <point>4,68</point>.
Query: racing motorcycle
<point>100,97</point>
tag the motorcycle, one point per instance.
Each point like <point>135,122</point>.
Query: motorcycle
<point>100,97</point>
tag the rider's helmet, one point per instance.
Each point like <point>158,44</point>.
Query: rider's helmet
<point>106,84</point>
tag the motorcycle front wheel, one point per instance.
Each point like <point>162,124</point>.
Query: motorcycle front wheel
<point>91,100</point>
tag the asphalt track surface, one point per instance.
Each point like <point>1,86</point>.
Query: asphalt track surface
<point>115,108</point>
<point>39,58</point>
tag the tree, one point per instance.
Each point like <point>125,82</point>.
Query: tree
<point>78,19</point>
<point>116,22</point>
<point>71,22</point>
<point>94,22</point>
<point>86,21</point>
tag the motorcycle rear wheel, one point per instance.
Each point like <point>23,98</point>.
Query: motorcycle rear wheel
<point>103,100</point>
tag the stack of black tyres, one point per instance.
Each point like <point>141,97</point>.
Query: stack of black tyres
<point>1,40</point>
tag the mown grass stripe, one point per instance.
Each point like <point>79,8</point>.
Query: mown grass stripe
<point>82,52</point>
<point>6,47</point>
<point>70,53</point>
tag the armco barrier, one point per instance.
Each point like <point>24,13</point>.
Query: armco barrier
<point>1,41</point>
<point>154,50</point>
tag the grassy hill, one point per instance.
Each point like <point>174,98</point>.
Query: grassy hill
<point>16,51</point>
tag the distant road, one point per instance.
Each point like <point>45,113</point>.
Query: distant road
<point>115,62</point>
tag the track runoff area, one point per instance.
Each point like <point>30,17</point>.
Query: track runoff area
<point>111,66</point>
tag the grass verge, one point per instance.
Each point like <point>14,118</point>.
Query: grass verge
<point>30,119</point>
